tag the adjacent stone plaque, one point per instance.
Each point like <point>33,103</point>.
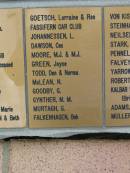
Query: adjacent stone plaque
<point>12,91</point>
<point>64,67</point>
<point>117,65</point>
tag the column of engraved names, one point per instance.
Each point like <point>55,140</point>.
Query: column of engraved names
<point>119,53</point>
<point>6,110</point>
<point>62,66</point>
<point>51,59</point>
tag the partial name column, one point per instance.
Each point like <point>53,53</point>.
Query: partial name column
<point>117,58</point>
<point>12,83</point>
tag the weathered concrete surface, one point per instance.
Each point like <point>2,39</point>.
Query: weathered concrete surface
<point>69,156</point>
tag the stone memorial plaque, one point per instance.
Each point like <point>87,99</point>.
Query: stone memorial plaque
<point>117,65</point>
<point>64,66</point>
<point>12,88</point>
